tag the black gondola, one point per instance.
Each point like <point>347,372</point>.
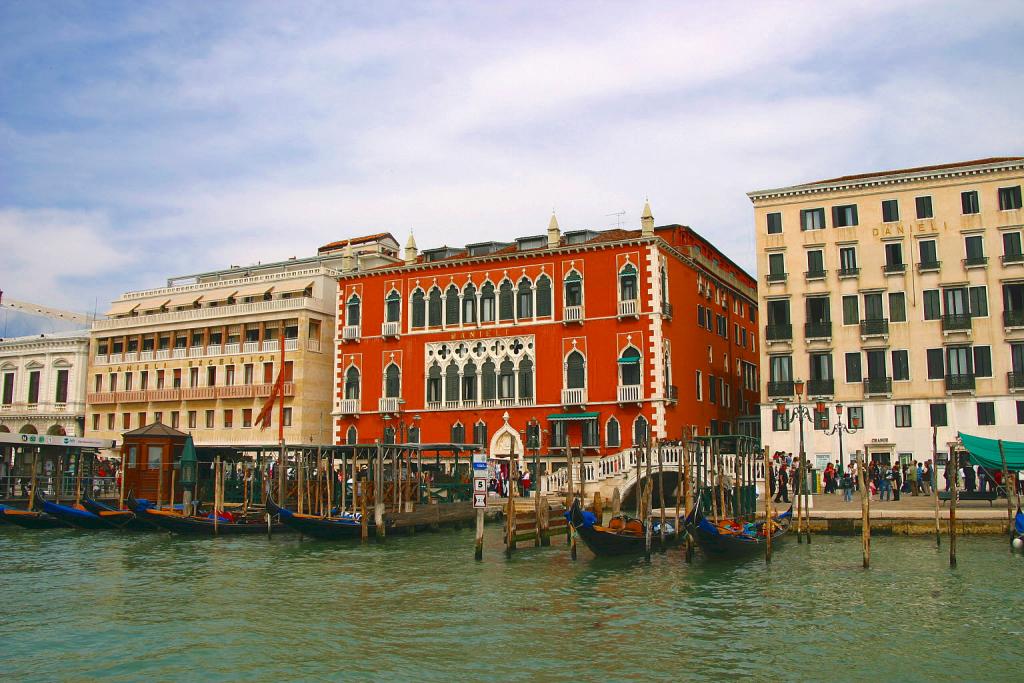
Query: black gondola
<point>623,535</point>
<point>325,528</point>
<point>203,526</point>
<point>729,539</point>
<point>80,518</point>
<point>122,519</point>
<point>30,519</point>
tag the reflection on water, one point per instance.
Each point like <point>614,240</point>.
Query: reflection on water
<point>124,607</point>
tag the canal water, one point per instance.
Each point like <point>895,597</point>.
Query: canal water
<point>130,607</point>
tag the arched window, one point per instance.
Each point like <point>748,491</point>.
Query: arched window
<point>352,310</point>
<point>506,380</point>
<point>414,435</point>
<point>573,289</point>
<point>352,382</point>
<point>575,371</point>
<point>640,431</point>
<point>458,433</point>
<point>543,296</point>
<point>389,435</point>
<point>489,381</point>
<point>469,382</point>
<point>629,367</point>
<point>419,309</point>
<point>393,307</point>
<point>434,308</point>
<point>627,283</point>
<point>352,436</point>
<point>480,434</point>
<point>525,378</point>
<point>506,301</point>
<point>664,282</point>
<point>468,304</point>
<point>524,300</point>
<point>612,433</point>
<point>487,303</point>
<point>392,381</point>
<point>451,382</point>
<point>451,306</point>
<point>434,383</point>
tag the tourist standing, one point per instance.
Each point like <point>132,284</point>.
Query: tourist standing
<point>885,486</point>
<point>783,494</point>
<point>846,483</point>
<point>897,481</point>
<point>970,480</point>
<point>912,474</point>
<point>926,478</point>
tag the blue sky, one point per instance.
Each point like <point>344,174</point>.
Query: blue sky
<point>144,140</point>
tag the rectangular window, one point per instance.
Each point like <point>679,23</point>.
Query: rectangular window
<point>1009,199</point>
<point>247,373</point>
<point>900,365</point>
<point>159,379</point>
<point>61,395</point>
<point>928,255</point>
<point>154,457</point>
<point>855,417</point>
<point>193,377</point>
<point>8,396</point>
<point>924,207</point>
<point>247,417</point>
<point>978,297</point>
<point>1011,244</point>
<point>144,380</point>
<point>897,307</point>
<point>932,305</point>
<point>287,418</point>
<point>815,262</point>
<point>712,389</point>
<point>776,264</point>
<point>174,419</point>
<point>903,416</point>
<point>229,375</point>
<point>209,419</point>
<point>774,223</point>
<point>821,419</point>
<point>936,367</point>
<point>812,219</point>
<point>969,202</point>
<point>192,419</point>
<point>780,423</point>
<point>853,371</point>
<point>851,310</point>
<point>847,258</point>
<point>142,418</point>
<point>33,387</point>
<point>986,413</point>
<point>211,376</point>
<point>229,418</point>
<point>700,386</point>
<point>126,420</point>
<point>974,246</point>
<point>96,422</point>
<point>176,379</point>
<point>982,361</point>
<point>890,211</point>
<point>844,216</point>
<point>894,254</point>
<point>1020,412</point>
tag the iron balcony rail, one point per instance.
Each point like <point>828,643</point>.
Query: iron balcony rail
<point>666,309</point>
<point>894,268</point>
<point>782,388</point>
<point>926,266</point>
<point>1013,318</point>
<point>779,332</point>
<point>956,321</point>
<point>962,382</point>
<point>1012,258</point>
<point>815,274</point>
<point>874,327</point>
<point>975,261</point>
<point>876,386</point>
<point>821,387</point>
<point>672,392</point>
<point>821,329</point>
<point>1015,380</point>
<point>852,271</point>
<point>777,277</point>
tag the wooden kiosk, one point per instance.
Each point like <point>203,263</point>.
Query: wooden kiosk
<point>149,456</point>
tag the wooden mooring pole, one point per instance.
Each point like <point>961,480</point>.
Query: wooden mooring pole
<point>1006,487</point>
<point>954,493</point>
<point>865,509</point>
<point>935,485</point>
<point>767,509</point>
<point>478,552</point>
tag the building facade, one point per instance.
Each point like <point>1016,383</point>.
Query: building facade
<point>901,296</point>
<point>42,383</point>
<point>201,355</point>
<point>587,338</point>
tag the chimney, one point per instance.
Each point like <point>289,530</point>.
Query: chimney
<point>348,262</point>
<point>410,249</point>
<point>554,234</point>
<point>647,221</point>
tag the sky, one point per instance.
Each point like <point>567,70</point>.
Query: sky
<point>145,140</point>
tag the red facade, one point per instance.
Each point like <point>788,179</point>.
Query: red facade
<point>424,347</point>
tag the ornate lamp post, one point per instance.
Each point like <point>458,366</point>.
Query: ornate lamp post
<point>799,413</point>
<point>839,428</point>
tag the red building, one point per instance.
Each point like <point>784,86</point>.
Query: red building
<point>599,337</point>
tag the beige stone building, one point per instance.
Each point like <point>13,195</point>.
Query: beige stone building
<point>202,353</point>
<point>900,295</point>
<point>42,383</point>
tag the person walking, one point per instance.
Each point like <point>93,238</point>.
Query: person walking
<point>914,473</point>
<point>885,486</point>
<point>897,481</point>
<point>783,488</point>
<point>846,484</point>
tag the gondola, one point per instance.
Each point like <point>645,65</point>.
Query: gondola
<point>1018,530</point>
<point>78,517</point>
<point>202,526</point>
<point>730,539</point>
<point>325,528</point>
<point>623,535</point>
<point>30,519</point>
<point>122,519</point>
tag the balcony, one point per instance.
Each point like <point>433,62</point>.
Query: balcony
<point>388,404</point>
<point>1013,319</point>
<point>852,271</point>
<point>672,392</point>
<point>629,308</point>
<point>958,322</point>
<point>959,383</point>
<point>196,352</point>
<point>878,386</point>
<point>146,355</point>
<point>350,333</point>
<point>132,396</point>
<point>101,397</point>
<point>131,357</point>
<point>574,397</point>
<point>232,310</point>
<point>251,347</point>
<point>389,330</point>
<point>572,314</point>
<point>215,349</point>
<point>779,332</point>
<point>894,268</point>
<point>874,327</point>
<point>1009,259</point>
<point>975,262</point>
<point>666,310</point>
<point>451,404</point>
<point>525,400</point>
<point>507,402</point>
<point>179,352</point>
<point>265,390</point>
<point>291,344</point>
<point>236,391</point>
<point>198,393</point>
<point>777,277</point>
<point>815,274</point>
<point>313,345</point>
<point>349,406</point>
<point>1015,381</point>
<point>232,348</point>
<point>630,393</point>
<point>821,329</point>
<point>116,357</point>
<point>271,345</point>
<point>780,389</point>
<point>433,405</point>
<point>928,266</point>
<point>821,387</point>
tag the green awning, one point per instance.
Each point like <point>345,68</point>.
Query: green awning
<point>629,360</point>
<point>985,452</point>
<point>574,416</point>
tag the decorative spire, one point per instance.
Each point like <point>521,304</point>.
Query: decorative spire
<point>554,234</point>
<point>410,249</point>
<point>647,220</point>
<point>347,259</point>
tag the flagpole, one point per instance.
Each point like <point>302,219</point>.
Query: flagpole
<point>279,387</point>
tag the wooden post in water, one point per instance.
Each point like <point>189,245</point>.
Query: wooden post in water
<point>661,491</point>
<point>935,485</point>
<point>570,486</point>
<point>768,516</point>
<point>282,473</point>
<point>637,488</point>
<point>807,497</point>
<point>174,477</point>
<point>598,507</point>
<point>1006,486</point>
<point>478,552</point>
<point>510,514</point>
<point>687,496</point>
<point>543,523</point>
<point>865,509</point>
<point>160,483</point>
<point>953,495</point>
<point>216,495</point>
<point>78,480</point>
<point>120,492</point>
<point>378,491</point>
<point>680,454</point>
<point>616,502</point>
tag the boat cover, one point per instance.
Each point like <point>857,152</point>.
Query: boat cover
<point>985,452</point>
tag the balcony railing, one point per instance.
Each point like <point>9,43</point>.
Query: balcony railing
<point>961,382</point>
<point>179,352</point>
<point>975,261</point>
<point>777,277</point>
<point>291,344</point>
<point>250,347</point>
<point>815,274</point>
<point>574,397</point>
<point>196,393</point>
<point>1013,318</point>
<point>1015,380</point>
<point>146,355</point>
<point>350,332</point>
<point>821,387</point>
<point>956,322</point>
<point>313,345</point>
<point>265,390</point>
<point>236,391</point>
<point>572,314</point>
<point>628,308</point>
<point>212,312</point>
<point>196,352</point>
<point>1011,258</point>
<point>878,386</point>
<point>852,271</point>
<point>666,309</point>
<point>349,406</point>
<point>928,266</point>
<point>388,404</point>
<point>434,405</point>
<point>130,356</point>
<point>782,388</point>
<point>874,327</point>
<point>389,329</point>
<point>822,329</point>
<point>629,393</point>
<point>232,348</point>
<point>779,332</point>
<point>894,268</point>
<point>271,344</point>
<point>525,400</point>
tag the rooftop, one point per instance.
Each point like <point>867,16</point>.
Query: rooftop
<point>47,336</point>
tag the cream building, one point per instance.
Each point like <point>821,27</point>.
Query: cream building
<point>900,295</point>
<point>202,353</point>
<point>42,383</point>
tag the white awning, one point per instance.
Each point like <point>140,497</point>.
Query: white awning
<point>123,307</point>
<point>254,290</point>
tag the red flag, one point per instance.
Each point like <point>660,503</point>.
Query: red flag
<point>263,419</point>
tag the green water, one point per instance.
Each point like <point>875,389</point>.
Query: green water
<point>126,607</point>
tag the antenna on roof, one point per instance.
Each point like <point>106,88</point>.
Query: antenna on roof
<point>618,219</point>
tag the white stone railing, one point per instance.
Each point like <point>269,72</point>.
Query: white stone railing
<point>218,284</point>
<point>211,350</point>
<point>574,397</point>
<point>629,393</point>
<point>389,329</point>
<point>572,314</point>
<point>628,308</point>
<point>350,332</point>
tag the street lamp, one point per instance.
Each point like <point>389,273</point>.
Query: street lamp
<point>798,413</point>
<point>839,428</point>
<point>533,440</point>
